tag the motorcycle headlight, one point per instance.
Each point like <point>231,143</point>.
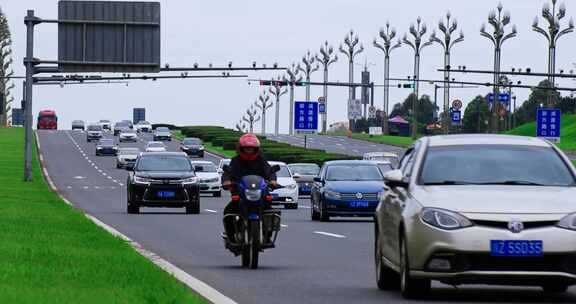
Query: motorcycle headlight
<point>568,222</point>
<point>253,195</point>
<point>190,180</point>
<point>141,180</point>
<point>444,219</point>
<point>329,194</point>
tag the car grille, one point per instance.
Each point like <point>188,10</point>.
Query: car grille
<point>166,181</point>
<point>365,196</point>
<point>504,225</point>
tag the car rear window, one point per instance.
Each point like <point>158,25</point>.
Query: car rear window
<point>305,169</point>
<point>495,164</point>
<point>353,173</point>
<point>164,163</point>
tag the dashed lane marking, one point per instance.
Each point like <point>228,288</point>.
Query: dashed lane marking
<point>210,210</point>
<point>283,226</point>
<point>339,236</point>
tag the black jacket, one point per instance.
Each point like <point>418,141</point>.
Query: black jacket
<point>240,167</point>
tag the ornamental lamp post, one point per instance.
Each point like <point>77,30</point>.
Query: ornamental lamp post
<point>263,103</point>
<point>351,41</point>
<point>277,90</point>
<point>554,33</point>
<point>447,43</point>
<point>417,31</point>
<point>293,77</point>
<point>327,59</point>
<point>308,60</point>
<point>498,21</point>
<point>386,46</point>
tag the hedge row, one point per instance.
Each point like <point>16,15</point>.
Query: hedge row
<point>272,150</point>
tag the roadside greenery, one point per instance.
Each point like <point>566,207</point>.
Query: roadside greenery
<point>226,139</point>
<point>208,146</point>
<point>51,253</point>
<point>567,131</point>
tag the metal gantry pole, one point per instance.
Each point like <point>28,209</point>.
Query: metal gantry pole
<point>387,47</point>
<point>327,59</point>
<point>30,20</point>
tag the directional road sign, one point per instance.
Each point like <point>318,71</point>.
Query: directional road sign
<point>305,117</point>
<point>548,124</point>
<point>456,117</point>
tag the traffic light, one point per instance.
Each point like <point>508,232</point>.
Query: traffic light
<point>405,86</point>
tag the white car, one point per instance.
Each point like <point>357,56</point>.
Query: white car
<point>105,124</point>
<point>287,196</point>
<point>126,157</point>
<point>209,179</point>
<point>144,127</point>
<point>155,146</point>
<point>128,135</point>
<point>223,162</point>
<point>383,156</point>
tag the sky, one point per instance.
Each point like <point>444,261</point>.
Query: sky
<point>220,31</point>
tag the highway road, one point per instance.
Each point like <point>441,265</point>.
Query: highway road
<point>337,144</point>
<point>313,262</point>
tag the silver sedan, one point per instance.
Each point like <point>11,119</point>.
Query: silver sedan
<point>478,209</point>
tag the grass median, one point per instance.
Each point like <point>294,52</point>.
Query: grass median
<point>51,253</point>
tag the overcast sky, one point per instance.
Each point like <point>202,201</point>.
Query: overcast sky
<point>219,31</point>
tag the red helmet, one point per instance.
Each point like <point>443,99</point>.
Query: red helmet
<point>248,141</point>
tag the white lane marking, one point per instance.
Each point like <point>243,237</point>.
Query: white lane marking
<point>79,177</point>
<point>85,187</point>
<point>339,144</point>
<point>121,184</point>
<point>109,177</point>
<point>210,210</point>
<point>339,236</point>
<point>96,187</point>
<point>115,181</point>
<point>69,187</point>
<point>95,167</point>
<point>104,173</point>
<point>305,206</point>
<point>112,187</point>
<point>85,157</point>
<point>283,226</point>
<point>100,170</point>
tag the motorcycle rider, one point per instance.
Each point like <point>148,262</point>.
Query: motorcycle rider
<point>249,161</point>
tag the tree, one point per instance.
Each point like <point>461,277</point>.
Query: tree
<point>5,72</point>
<point>425,109</point>
<point>527,112</point>
<point>476,116</point>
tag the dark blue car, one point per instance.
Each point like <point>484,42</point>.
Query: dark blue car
<point>346,188</point>
<point>106,147</point>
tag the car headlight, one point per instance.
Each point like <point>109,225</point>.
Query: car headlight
<point>329,194</point>
<point>141,180</point>
<point>253,195</point>
<point>213,180</point>
<point>568,222</point>
<point>200,148</point>
<point>291,186</point>
<point>444,219</point>
<point>190,180</point>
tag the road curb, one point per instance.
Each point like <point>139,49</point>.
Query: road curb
<point>202,289</point>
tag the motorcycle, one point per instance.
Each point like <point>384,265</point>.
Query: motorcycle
<point>256,225</point>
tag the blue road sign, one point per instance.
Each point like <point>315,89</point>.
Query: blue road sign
<point>306,116</point>
<point>456,117</point>
<point>504,98</point>
<point>548,124</point>
<point>490,97</point>
<point>322,108</point>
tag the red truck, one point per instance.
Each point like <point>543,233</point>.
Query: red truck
<point>47,119</point>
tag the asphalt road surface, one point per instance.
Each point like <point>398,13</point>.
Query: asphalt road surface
<point>337,144</point>
<point>313,262</point>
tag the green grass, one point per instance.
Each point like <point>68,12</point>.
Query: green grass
<point>51,253</point>
<point>208,146</point>
<point>567,131</point>
<point>400,141</point>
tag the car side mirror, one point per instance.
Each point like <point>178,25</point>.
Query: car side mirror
<point>395,179</point>
<point>318,179</point>
<point>275,168</point>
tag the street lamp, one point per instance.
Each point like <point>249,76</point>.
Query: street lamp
<point>326,60</point>
<point>386,46</point>
<point>351,41</point>
<point>277,90</point>
<point>553,34</point>
<point>498,37</point>
<point>263,103</point>
<point>417,32</point>
<point>251,118</point>
<point>309,68</point>
<point>293,77</point>
<point>447,29</point>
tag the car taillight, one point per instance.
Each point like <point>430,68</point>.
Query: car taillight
<point>235,198</point>
<point>268,198</point>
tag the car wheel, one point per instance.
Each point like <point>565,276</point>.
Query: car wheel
<point>409,287</point>
<point>386,278</point>
<point>132,208</point>
<point>118,166</point>
<point>315,215</point>
<point>324,217</point>
<point>193,208</point>
<point>555,288</point>
<point>217,194</point>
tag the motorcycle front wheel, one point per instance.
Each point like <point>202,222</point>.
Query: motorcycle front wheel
<point>254,243</point>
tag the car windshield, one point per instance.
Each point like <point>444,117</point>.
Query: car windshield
<point>78,122</point>
<point>106,142</point>
<point>192,141</point>
<point>495,164</point>
<point>104,121</point>
<point>143,123</point>
<point>94,128</point>
<point>164,163</point>
<point>353,173</point>
<point>162,129</point>
<point>205,168</point>
<point>385,167</point>
<point>284,172</point>
<point>129,151</point>
<point>305,169</point>
<point>156,145</point>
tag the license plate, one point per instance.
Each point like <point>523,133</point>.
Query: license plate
<point>359,204</point>
<point>516,248</point>
<point>165,194</point>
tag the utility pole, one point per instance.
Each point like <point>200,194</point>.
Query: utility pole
<point>417,32</point>
<point>327,59</point>
<point>386,46</point>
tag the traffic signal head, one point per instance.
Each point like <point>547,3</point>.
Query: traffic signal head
<point>405,85</point>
